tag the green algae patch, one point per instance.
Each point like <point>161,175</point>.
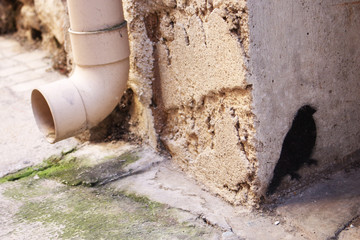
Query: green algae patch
<point>99,213</point>
<point>140,199</point>
<point>73,171</point>
<point>110,169</point>
<point>74,211</point>
<point>49,165</point>
<point>129,157</point>
<point>18,175</point>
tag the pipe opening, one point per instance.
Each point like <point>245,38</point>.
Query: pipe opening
<point>43,115</point>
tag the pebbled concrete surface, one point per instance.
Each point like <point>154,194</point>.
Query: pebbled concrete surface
<point>329,209</point>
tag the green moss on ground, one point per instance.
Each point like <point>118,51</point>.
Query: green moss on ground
<point>69,170</point>
<point>51,167</point>
<point>18,175</point>
<point>128,158</point>
<point>99,213</point>
<point>92,213</point>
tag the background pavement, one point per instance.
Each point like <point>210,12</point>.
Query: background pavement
<point>21,143</point>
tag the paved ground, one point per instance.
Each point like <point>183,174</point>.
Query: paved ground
<point>87,191</point>
<point>21,144</point>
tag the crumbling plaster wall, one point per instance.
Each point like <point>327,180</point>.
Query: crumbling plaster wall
<point>210,73</point>
<point>189,75</point>
<point>305,52</point>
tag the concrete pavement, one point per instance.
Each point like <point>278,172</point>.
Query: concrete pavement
<point>21,144</point>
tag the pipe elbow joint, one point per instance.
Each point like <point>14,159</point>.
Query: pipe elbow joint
<point>67,107</point>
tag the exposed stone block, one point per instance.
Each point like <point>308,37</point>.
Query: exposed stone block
<point>226,79</point>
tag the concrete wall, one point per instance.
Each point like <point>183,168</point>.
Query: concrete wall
<point>305,52</point>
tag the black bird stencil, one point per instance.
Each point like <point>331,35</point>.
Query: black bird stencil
<point>297,147</point>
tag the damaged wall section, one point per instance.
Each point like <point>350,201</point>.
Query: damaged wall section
<point>213,140</point>
<point>189,69</point>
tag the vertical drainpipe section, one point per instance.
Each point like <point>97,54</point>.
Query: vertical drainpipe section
<point>100,45</point>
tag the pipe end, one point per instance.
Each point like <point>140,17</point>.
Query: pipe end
<point>58,110</point>
<point>43,116</point>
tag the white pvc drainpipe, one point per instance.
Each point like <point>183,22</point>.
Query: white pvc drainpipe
<point>100,47</point>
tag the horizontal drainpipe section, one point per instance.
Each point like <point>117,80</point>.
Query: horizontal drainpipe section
<point>100,48</point>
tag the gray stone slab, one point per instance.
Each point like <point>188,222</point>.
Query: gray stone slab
<point>6,72</point>
<point>39,63</point>
<point>7,63</point>
<point>28,57</point>
<point>8,44</point>
<point>326,207</point>
<point>167,184</point>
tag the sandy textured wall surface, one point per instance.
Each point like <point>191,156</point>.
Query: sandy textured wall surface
<point>192,56</point>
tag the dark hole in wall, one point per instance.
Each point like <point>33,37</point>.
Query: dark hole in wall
<point>152,26</point>
<point>297,148</point>
<point>36,34</point>
<point>57,43</point>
